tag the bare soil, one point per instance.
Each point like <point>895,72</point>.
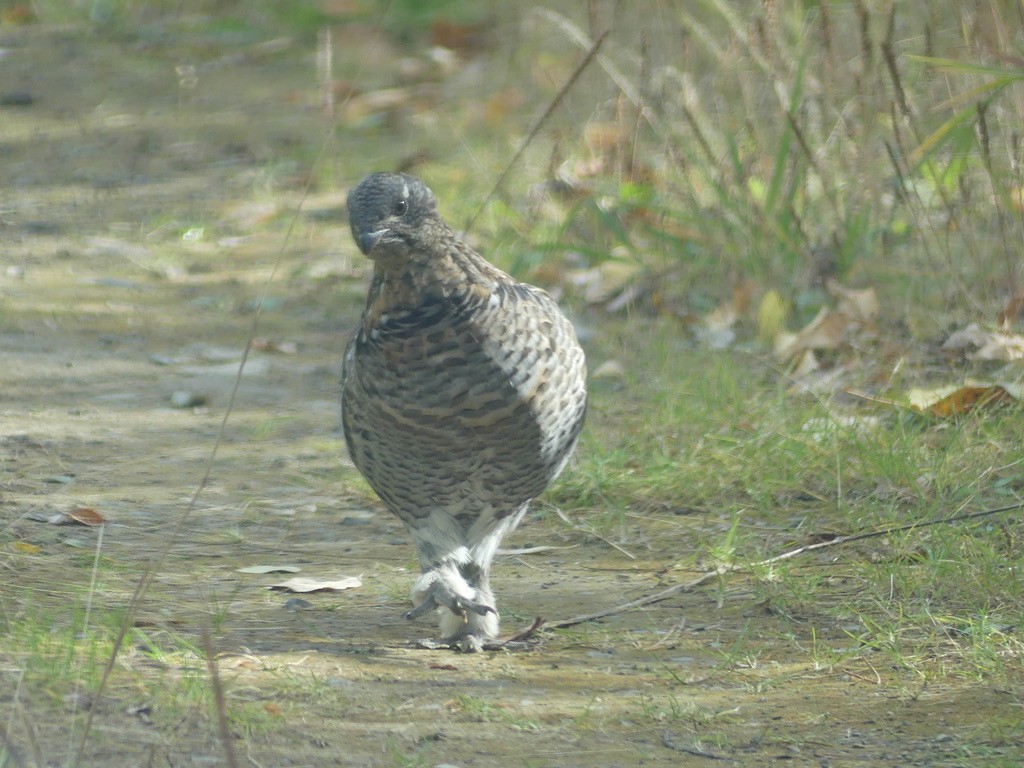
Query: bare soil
<point>140,220</point>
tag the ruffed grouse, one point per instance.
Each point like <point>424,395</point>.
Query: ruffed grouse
<point>463,396</point>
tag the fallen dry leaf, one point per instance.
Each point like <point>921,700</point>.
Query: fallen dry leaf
<point>958,400</point>
<point>1011,310</point>
<point>988,345</point>
<point>857,304</point>
<point>828,330</point>
<point>269,569</point>
<point>855,312</point>
<point>26,548</point>
<point>808,364</point>
<point>86,516</point>
<point>609,369</point>
<point>303,584</point>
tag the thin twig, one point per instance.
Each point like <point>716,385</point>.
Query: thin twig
<point>538,124</point>
<point>669,741</point>
<point>722,570</point>
<point>595,534</point>
<point>220,705</point>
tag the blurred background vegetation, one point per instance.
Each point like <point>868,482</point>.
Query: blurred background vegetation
<point>874,142</point>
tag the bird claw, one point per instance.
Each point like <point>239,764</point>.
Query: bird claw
<point>428,604</point>
<point>440,594</point>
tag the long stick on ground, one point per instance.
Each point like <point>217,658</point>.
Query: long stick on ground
<point>722,570</point>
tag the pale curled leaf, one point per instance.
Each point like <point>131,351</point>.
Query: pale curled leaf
<point>987,345</point>
<point>828,330</point>
<point>609,369</point>
<point>305,584</point>
<point>269,569</point>
<point>857,304</point>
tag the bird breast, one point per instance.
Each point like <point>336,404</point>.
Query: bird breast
<point>475,395</point>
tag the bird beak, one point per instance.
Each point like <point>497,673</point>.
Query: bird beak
<point>368,240</point>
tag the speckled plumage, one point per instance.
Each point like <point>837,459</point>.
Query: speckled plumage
<point>463,395</point>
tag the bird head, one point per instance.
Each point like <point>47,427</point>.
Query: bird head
<point>391,216</point>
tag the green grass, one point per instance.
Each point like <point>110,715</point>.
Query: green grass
<point>701,453</point>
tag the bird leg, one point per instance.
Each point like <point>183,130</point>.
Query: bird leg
<point>440,594</point>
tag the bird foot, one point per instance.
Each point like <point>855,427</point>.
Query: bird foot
<point>471,644</point>
<point>440,594</point>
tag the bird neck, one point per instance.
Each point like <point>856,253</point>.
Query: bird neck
<point>447,271</point>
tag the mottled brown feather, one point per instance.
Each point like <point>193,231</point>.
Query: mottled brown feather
<point>463,393</point>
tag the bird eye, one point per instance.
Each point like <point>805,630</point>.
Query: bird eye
<point>401,207</point>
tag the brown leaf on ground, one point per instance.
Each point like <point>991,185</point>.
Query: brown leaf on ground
<point>76,516</point>
<point>855,313</point>
<point>945,403</point>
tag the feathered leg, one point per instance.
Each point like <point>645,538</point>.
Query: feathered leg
<point>459,587</point>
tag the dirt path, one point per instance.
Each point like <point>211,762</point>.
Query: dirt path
<point>138,225</point>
